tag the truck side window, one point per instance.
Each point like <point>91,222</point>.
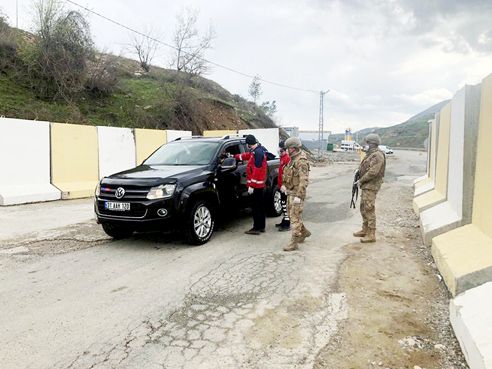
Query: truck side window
<point>230,150</point>
<point>233,149</point>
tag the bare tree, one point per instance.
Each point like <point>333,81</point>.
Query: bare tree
<point>145,48</point>
<point>190,45</point>
<point>255,88</point>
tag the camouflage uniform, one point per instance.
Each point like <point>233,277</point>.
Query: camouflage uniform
<point>295,180</point>
<point>371,177</point>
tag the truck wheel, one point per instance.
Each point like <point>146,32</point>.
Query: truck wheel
<point>275,203</point>
<point>200,223</point>
<point>117,231</point>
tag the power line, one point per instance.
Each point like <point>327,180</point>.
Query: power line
<point>184,52</point>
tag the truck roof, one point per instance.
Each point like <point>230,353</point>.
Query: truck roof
<point>211,139</point>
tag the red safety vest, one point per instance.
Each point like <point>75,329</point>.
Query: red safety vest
<point>284,160</point>
<point>255,176</point>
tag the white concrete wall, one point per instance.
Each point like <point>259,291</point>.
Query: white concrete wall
<point>268,137</point>
<point>25,162</point>
<point>116,150</point>
<point>471,318</point>
<point>172,134</point>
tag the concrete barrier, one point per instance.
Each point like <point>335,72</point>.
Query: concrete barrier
<point>116,150</point>
<point>74,159</point>
<point>25,162</point>
<point>471,318</point>
<point>464,255</point>
<point>172,134</point>
<point>218,133</point>
<point>438,194</point>
<point>428,184</point>
<point>268,137</point>
<point>147,141</point>
<point>429,147</point>
<point>457,209</point>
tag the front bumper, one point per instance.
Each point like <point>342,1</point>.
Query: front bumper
<point>142,213</point>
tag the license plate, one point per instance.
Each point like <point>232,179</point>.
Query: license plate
<point>117,206</point>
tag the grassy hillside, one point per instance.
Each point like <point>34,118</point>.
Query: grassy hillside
<point>161,98</point>
<point>412,133</point>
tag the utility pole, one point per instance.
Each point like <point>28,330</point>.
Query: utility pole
<point>17,14</point>
<point>321,119</point>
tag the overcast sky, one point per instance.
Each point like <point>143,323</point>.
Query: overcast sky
<point>383,60</point>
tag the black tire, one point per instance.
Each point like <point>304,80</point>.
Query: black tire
<point>200,223</point>
<point>274,206</point>
<point>117,231</point>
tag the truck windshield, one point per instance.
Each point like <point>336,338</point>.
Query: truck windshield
<point>184,153</point>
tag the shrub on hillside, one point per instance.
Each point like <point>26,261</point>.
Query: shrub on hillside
<point>8,45</point>
<point>102,75</point>
<point>56,59</point>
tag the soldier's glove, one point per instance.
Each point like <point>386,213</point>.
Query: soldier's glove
<point>297,200</point>
<point>250,190</point>
<point>283,189</point>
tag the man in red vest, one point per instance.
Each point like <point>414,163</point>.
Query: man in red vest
<point>256,173</point>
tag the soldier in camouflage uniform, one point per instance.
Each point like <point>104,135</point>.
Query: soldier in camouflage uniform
<point>371,173</point>
<point>295,182</point>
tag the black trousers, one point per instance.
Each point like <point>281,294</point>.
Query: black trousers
<point>259,217</point>
<point>283,199</point>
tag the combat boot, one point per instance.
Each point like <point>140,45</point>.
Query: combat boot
<point>304,234</point>
<point>293,245</point>
<point>362,232</point>
<point>369,237</point>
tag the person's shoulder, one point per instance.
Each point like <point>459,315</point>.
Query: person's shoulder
<point>302,160</point>
<point>303,157</point>
<point>260,149</point>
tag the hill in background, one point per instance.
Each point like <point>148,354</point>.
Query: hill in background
<point>410,134</point>
<point>160,98</point>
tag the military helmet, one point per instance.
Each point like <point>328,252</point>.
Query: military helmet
<point>373,138</point>
<point>293,142</point>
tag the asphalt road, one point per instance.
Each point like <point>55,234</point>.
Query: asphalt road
<point>153,302</point>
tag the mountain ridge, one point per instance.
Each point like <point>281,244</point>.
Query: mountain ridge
<point>411,133</point>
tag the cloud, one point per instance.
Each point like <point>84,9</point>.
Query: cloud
<point>383,60</point>
<point>431,96</point>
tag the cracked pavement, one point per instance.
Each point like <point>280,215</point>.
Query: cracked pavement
<point>153,302</point>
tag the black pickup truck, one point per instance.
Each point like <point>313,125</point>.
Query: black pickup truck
<point>185,185</point>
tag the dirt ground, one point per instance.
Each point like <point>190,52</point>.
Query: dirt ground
<point>397,302</point>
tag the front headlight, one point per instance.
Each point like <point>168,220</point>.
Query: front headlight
<point>161,192</point>
<point>97,192</point>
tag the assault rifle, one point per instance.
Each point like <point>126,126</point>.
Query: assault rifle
<point>355,189</point>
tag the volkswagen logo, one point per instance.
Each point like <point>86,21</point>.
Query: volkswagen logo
<point>120,192</point>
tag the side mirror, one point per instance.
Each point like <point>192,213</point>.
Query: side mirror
<point>228,164</point>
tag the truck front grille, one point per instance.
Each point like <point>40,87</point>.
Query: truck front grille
<point>131,192</point>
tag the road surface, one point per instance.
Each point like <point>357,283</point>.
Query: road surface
<point>79,300</point>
